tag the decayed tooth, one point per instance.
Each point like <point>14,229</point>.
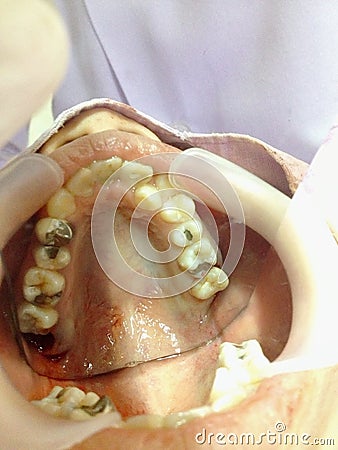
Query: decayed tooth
<point>43,287</point>
<point>33,295</point>
<point>162,182</point>
<point>136,171</point>
<point>215,280</point>
<point>103,169</point>
<point>195,255</point>
<point>81,183</point>
<point>178,208</point>
<point>103,406</point>
<point>241,367</point>
<point>54,232</point>
<point>149,196</point>
<point>50,257</point>
<point>61,205</point>
<point>187,233</point>
<point>36,319</point>
<point>73,403</point>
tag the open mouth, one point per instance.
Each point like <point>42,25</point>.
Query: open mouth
<point>81,334</point>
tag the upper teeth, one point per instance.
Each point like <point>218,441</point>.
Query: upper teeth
<point>61,205</point>
<point>81,183</point>
<point>51,231</point>
<point>216,280</point>
<point>52,258</point>
<point>36,319</point>
<point>50,282</point>
<point>43,285</point>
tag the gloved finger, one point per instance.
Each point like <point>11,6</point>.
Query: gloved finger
<point>26,184</point>
<point>33,56</point>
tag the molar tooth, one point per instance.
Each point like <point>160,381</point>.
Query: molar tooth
<point>81,183</point>
<point>61,204</point>
<point>53,258</point>
<point>187,233</point>
<point>178,208</point>
<point>149,196</point>
<point>54,232</point>
<point>215,280</point>
<point>35,319</point>
<point>103,169</point>
<point>49,282</point>
<point>197,254</point>
<point>103,405</point>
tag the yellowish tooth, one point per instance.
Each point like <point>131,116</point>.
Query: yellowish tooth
<point>52,258</point>
<point>48,281</point>
<point>72,395</point>
<point>145,421</point>
<point>215,280</point>
<point>187,233</point>
<point>178,208</point>
<point>61,205</point>
<point>90,399</point>
<point>195,255</point>
<point>162,182</point>
<point>51,231</point>
<point>137,172</point>
<point>36,319</point>
<point>103,169</point>
<point>81,184</point>
<point>149,196</point>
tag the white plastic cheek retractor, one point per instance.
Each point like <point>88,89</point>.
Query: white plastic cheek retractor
<point>298,231</point>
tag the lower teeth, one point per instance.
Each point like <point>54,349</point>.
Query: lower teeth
<point>240,370</point>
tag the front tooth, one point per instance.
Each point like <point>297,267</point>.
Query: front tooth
<point>195,255</point>
<point>178,208</point>
<point>149,196</point>
<point>61,205</point>
<point>162,182</point>
<point>137,172</point>
<point>53,258</point>
<point>103,169</point>
<point>48,281</point>
<point>35,319</point>
<point>51,231</point>
<point>81,183</point>
<point>187,233</point>
<point>215,280</point>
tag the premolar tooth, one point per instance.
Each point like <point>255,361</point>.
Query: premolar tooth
<point>215,280</point>
<point>195,255</point>
<point>149,196</point>
<point>49,282</point>
<point>178,208</point>
<point>103,169</point>
<point>52,258</point>
<point>81,183</point>
<point>61,205</point>
<point>54,232</point>
<point>35,319</point>
<point>187,233</point>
